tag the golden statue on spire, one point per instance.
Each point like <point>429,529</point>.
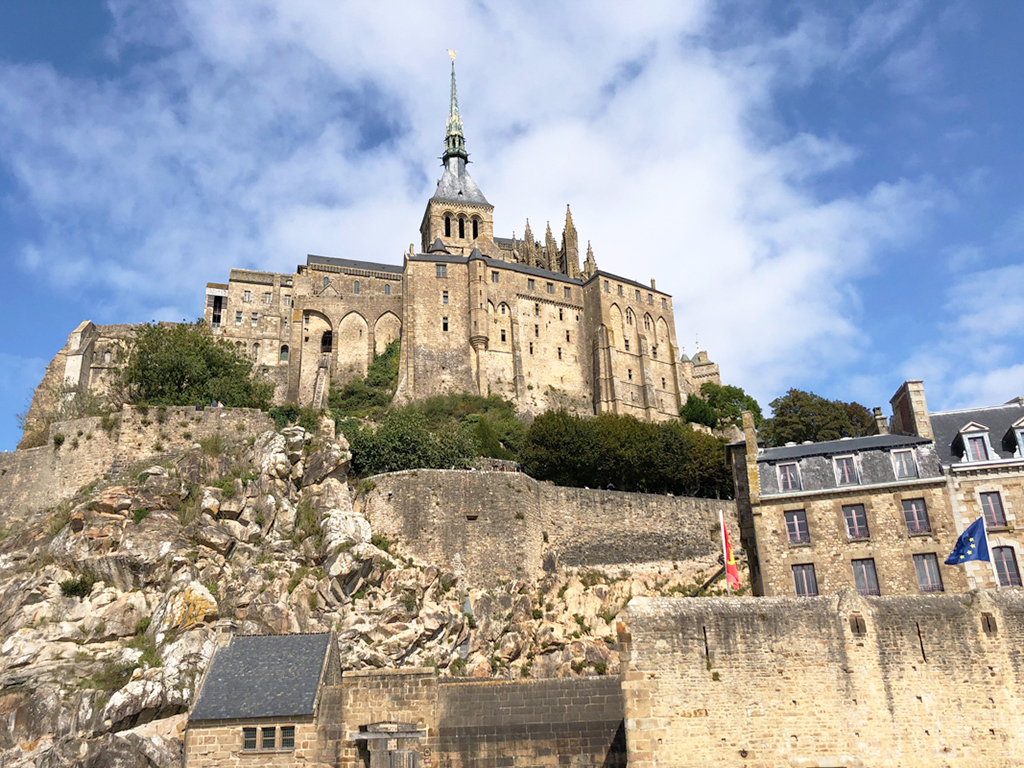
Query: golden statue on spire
<point>451,53</point>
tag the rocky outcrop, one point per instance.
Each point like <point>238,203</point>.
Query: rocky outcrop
<point>110,606</point>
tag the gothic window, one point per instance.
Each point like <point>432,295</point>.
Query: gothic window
<point>355,287</point>
<point>256,351</point>
<point>629,318</point>
<point>447,226</point>
<point>327,281</point>
<point>647,322</point>
<point>462,228</point>
<point>284,353</point>
<point>476,230</point>
<point>387,289</point>
<point>503,308</point>
<point>326,341</point>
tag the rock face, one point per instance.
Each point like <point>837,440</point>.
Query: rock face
<point>110,606</point>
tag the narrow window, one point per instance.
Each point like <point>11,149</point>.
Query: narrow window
<point>637,295</point>
<point>305,319</point>
<point>856,520</point>
<point>654,351</point>
<point>256,351</point>
<point>650,298</point>
<point>531,284</point>
<point>248,738</point>
<point>287,300</point>
<point>916,515</point>
<point>865,578</point>
<point>796,527</point>
<point>266,298</point>
<point>536,310</point>
<point>647,322</point>
<point>846,471</point>
<point>442,270</point>
<point>494,277</point>
<point>246,296</point>
<point>531,347</point>
<point>559,353</point>
<point>327,282</point>
<point>444,297</point>
<point>536,331</point>
<point>475,229</point>
<point>444,323</point>
<point>662,382</point>
<point>268,738</point>
<point>447,227</point>
<point>630,374</point>
<point>462,228</point>
<point>992,506</point>
<point>804,581</point>
<point>327,342</point>
<point>503,309</point>
<point>551,287</point>
<point>927,569</point>
<point>106,357</point>
<point>977,450</point>
<point>664,303</point>
<point>620,290</point>
<point>355,287</point>
<point>607,287</point>
<point>287,737</point>
<point>560,314</point>
<point>568,292</point>
<point>567,336</point>
<point>626,342</point>
<point>238,318</point>
<point>629,318</point>
<point>387,289</point>
<point>1006,566</point>
<point>903,462</point>
<point>502,334</point>
<point>284,354</point>
<point>255,319</point>
<point>789,478</point>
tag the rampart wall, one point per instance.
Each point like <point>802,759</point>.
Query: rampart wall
<point>829,681</point>
<point>483,724</point>
<point>502,525</point>
<point>36,479</point>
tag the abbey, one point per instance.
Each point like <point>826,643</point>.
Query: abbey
<point>476,314</point>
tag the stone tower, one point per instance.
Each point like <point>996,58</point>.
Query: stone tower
<point>458,213</point>
<point>570,256</point>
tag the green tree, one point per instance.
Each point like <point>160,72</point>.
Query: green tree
<point>183,364</point>
<point>729,402</point>
<point>799,416</point>
<point>404,441</point>
<point>697,410</point>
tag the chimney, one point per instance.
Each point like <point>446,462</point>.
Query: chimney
<point>881,424</point>
<point>654,287</point>
<point>910,411</point>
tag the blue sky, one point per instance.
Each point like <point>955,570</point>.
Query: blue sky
<point>829,190</point>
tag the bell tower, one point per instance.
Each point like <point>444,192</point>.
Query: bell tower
<point>458,213</point>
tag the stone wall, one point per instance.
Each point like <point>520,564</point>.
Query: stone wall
<point>219,745</point>
<point>836,681</point>
<point>35,480</point>
<point>502,525</point>
<point>485,724</point>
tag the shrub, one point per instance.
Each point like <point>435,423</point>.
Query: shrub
<point>213,445</point>
<point>58,440</point>
<point>78,587</point>
<point>139,515</point>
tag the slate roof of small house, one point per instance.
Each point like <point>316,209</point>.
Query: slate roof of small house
<point>263,676</point>
<point>830,447</point>
<point>998,418</point>
<point>368,266</point>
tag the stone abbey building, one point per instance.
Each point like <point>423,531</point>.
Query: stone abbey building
<point>475,313</point>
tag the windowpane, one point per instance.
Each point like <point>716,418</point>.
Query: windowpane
<point>287,737</point>
<point>442,270</point>
<point>355,286</point>
<point>804,580</point>
<point>916,515</point>
<point>1006,566</point>
<point>789,480</point>
<point>846,471</point>
<point>903,461</point>
<point>248,738</point>
<point>444,297</point>
<point>976,448</point>
<point>927,569</point>
<point>856,521</point>
<point>268,739</point>
<point>494,277</point>
<point>864,577</point>
<point>568,292</point>
<point>551,287</point>
<point>444,323</point>
<point>531,284</point>
<point>992,506</point>
<point>387,289</point>
<point>796,527</point>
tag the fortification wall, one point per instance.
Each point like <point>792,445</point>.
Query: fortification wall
<point>829,681</point>
<point>484,724</point>
<point>501,525</point>
<point>35,480</point>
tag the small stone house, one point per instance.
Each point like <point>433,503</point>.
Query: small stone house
<point>260,701</point>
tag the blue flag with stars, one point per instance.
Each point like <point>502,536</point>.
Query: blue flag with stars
<point>972,545</point>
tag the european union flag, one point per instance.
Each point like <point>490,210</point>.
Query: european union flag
<point>972,545</point>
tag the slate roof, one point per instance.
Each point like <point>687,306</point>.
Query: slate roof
<point>370,266</point>
<point>829,447</point>
<point>263,676</point>
<point>499,264</point>
<point>457,185</point>
<point>998,418</point>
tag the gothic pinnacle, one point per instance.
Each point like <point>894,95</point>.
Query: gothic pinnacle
<point>454,140</point>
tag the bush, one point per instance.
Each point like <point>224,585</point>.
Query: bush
<point>369,396</point>
<point>139,515</point>
<point>58,440</point>
<point>80,587</point>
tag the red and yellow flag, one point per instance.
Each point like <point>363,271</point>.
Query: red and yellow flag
<point>732,574</point>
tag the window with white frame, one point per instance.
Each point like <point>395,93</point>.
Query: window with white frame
<point>238,317</point>
<point>865,577</point>
<point>926,566</point>
<point>796,527</point>
<point>1005,561</point>
<point>789,477</point>
<point>977,447</point>
<point>903,464</point>
<point>856,520</point>
<point>246,296</point>
<point>915,514</point>
<point>846,470</point>
<point>992,509</point>
<point>255,319</point>
<point>442,270</point>
<point>804,581</point>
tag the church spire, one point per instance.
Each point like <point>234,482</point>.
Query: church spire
<point>570,247</point>
<point>590,265</point>
<point>454,141</point>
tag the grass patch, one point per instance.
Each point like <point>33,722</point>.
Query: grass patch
<point>214,445</point>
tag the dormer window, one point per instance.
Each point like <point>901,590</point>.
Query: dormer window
<point>846,470</point>
<point>977,450</point>
<point>789,477</point>
<point>903,464</point>
<point>973,443</point>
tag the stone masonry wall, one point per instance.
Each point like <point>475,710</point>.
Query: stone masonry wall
<point>502,525</point>
<point>219,745</point>
<point>485,724</point>
<point>829,681</point>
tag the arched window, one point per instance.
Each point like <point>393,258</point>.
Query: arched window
<point>256,351</point>
<point>355,287</point>
<point>647,322</point>
<point>327,281</point>
<point>475,230</point>
<point>284,353</point>
<point>629,318</point>
<point>387,289</point>
<point>462,227</point>
<point>106,356</point>
<point>447,226</point>
<point>326,341</point>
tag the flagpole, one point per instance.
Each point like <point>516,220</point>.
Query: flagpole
<point>988,548</point>
<point>725,555</point>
